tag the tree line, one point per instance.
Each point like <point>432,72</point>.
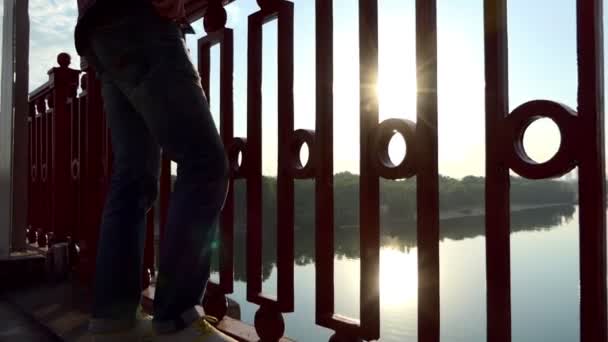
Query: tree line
<point>398,198</point>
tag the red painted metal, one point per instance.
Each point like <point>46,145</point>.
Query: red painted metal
<point>34,199</point>
<point>323,158</point>
<point>254,156</point>
<point>44,164</point>
<point>225,39</point>
<point>498,271</point>
<point>31,160</point>
<point>64,82</point>
<point>70,163</point>
<point>39,171</point>
<point>592,188</point>
<point>427,171</point>
<point>74,183</point>
<point>369,191</point>
<point>517,122</point>
<point>93,174</point>
<point>282,11</point>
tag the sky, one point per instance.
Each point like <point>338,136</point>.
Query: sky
<point>542,57</point>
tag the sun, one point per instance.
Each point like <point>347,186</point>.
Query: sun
<point>396,91</point>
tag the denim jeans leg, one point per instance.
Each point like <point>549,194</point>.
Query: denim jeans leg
<point>146,57</point>
<point>133,189</point>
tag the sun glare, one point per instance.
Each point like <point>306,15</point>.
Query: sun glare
<point>396,96</point>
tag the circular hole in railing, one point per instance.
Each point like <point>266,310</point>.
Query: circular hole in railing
<point>304,154</point>
<point>541,140</point>
<point>397,148</point>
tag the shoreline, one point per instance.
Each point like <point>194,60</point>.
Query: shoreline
<point>454,214</point>
<point>480,211</point>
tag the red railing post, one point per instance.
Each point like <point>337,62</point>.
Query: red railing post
<point>324,165</point>
<point>45,114</point>
<point>427,171</point>
<point>64,82</point>
<point>35,199</point>
<point>268,319</point>
<point>74,190</point>
<point>592,172</point>
<point>498,272</point>
<point>215,301</point>
<point>369,191</point>
<point>32,177</point>
<point>94,172</point>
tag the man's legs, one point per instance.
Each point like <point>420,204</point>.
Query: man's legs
<point>145,57</point>
<point>117,288</point>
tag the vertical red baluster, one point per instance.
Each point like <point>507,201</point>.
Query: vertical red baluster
<point>44,159</point>
<point>74,168</point>
<point>65,83</point>
<point>92,172</point>
<point>427,168</point>
<point>268,320</point>
<point>227,133</point>
<point>31,168</point>
<point>285,183</point>
<point>36,199</point>
<point>497,174</point>
<point>254,156</point>
<point>324,189</point>
<point>369,209</point>
<point>215,300</point>
<point>592,188</point>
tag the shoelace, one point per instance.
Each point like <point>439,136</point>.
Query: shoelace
<point>205,325</point>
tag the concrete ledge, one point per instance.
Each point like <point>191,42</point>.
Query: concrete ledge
<point>17,326</point>
<point>22,269</point>
<point>61,307</point>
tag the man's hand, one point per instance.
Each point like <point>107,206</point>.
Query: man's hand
<point>170,9</point>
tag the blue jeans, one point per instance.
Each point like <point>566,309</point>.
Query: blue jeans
<point>154,99</point>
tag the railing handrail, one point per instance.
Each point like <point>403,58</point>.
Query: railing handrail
<point>41,91</point>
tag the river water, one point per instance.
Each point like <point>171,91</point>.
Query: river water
<point>544,273</point>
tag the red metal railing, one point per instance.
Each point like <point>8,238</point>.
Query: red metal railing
<point>52,211</point>
<point>69,173</point>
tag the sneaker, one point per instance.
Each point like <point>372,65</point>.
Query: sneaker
<point>201,330</point>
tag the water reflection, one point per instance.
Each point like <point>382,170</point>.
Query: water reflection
<point>398,278</point>
<point>396,236</point>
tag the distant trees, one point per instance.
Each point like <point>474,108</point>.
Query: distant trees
<point>398,198</point>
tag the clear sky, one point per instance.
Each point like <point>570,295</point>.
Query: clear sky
<point>542,52</point>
